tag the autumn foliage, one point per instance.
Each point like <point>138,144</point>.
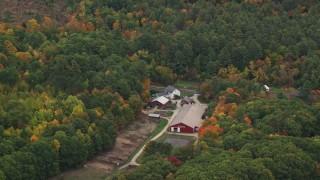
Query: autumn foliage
<point>174,160</point>
<point>211,131</point>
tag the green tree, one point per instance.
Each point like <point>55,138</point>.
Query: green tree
<point>47,157</point>
<point>135,104</point>
<point>9,76</point>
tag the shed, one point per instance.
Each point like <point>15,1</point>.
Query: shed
<point>157,116</point>
<point>188,120</point>
<point>186,100</point>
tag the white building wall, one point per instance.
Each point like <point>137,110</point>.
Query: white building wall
<point>178,129</point>
<point>176,92</point>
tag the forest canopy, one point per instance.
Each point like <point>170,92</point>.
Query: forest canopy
<point>69,80</point>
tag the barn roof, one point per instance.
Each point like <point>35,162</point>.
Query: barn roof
<point>163,100</point>
<point>189,115</point>
<point>170,89</point>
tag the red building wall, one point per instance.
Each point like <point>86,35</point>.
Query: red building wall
<point>183,128</point>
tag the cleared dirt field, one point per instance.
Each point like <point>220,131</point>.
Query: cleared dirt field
<point>177,142</point>
<point>104,163</point>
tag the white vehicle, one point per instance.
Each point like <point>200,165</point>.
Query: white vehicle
<point>266,88</point>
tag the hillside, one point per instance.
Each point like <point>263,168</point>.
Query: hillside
<point>73,73</point>
<point>20,11</point>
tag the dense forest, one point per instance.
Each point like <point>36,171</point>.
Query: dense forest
<point>69,81</point>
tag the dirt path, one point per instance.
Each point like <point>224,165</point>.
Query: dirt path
<point>133,161</point>
<point>128,140</point>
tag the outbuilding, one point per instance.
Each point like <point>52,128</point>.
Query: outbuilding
<point>186,100</point>
<point>160,101</point>
<point>155,116</point>
<point>188,120</point>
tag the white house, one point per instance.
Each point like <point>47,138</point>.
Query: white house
<point>172,91</point>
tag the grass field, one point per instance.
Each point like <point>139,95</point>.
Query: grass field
<point>189,94</point>
<point>164,113</point>
<point>170,107</point>
<point>187,84</point>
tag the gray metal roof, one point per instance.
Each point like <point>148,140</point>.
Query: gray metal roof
<point>189,115</point>
<point>170,89</point>
<point>161,94</point>
<point>187,99</point>
<point>154,115</point>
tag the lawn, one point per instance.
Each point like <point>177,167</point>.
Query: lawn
<point>164,113</point>
<point>187,84</point>
<point>170,107</point>
<point>184,93</point>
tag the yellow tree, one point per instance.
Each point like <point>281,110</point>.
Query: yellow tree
<point>116,24</point>
<point>49,23</point>
<point>10,32</point>
<point>78,111</point>
<point>56,144</point>
<point>24,56</point>
<point>32,25</point>
<point>10,47</point>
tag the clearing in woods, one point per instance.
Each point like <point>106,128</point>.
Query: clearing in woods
<point>104,163</point>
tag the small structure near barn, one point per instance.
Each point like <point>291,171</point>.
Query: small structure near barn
<point>160,101</point>
<point>186,100</point>
<point>156,116</point>
<point>188,120</point>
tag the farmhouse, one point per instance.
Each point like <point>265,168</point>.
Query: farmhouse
<point>172,91</point>
<point>160,101</point>
<point>188,119</point>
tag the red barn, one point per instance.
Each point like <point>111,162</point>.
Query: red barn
<point>188,120</point>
